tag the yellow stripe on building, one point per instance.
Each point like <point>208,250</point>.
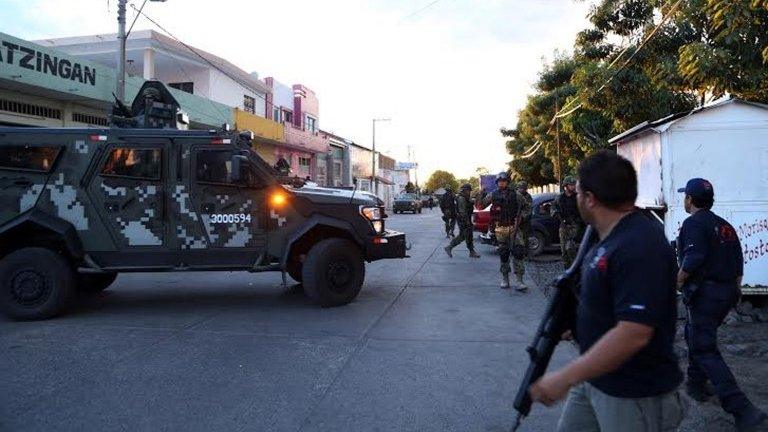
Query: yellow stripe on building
<point>260,126</point>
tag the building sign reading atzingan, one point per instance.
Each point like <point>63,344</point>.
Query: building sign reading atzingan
<point>32,59</point>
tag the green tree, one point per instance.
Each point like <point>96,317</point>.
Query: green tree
<point>730,51</point>
<point>629,66</point>
<point>473,180</point>
<point>441,179</point>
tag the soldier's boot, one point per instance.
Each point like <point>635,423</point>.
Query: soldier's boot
<point>504,281</point>
<point>521,286</point>
<point>448,251</point>
<point>473,254</point>
<point>698,391</point>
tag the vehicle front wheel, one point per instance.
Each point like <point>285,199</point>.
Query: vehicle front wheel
<point>95,282</point>
<point>35,283</point>
<point>333,272</point>
<point>536,243</point>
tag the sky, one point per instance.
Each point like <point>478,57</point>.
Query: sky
<point>448,74</point>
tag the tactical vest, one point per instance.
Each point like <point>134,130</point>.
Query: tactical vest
<point>504,206</point>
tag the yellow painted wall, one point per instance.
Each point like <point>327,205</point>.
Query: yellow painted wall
<point>259,125</point>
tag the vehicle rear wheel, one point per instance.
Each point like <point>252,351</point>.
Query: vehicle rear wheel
<point>333,272</point>
<point>35,283</point>
<point>95,282</point>
<point>294,270</point>
<point>536,243</point>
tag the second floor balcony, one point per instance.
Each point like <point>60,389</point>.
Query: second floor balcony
<point>312,142</point>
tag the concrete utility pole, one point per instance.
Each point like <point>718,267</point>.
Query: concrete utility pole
<point>557,132</point>
<point>374,184</point>
<point>121,50</point>
<point>122,37</point>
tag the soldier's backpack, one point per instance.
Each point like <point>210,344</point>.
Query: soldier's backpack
<point>448,203</point>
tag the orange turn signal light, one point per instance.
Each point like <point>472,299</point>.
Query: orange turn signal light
<point>278,199</point>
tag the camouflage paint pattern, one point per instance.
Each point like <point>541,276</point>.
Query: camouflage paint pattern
<point>569,244</point>
<point>504,236</point>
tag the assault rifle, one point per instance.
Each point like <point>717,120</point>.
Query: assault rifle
<point>559,317</point>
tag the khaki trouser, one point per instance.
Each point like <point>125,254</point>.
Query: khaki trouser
<point>587,409</point>
<point>466,233</point>
<point>506,242</point>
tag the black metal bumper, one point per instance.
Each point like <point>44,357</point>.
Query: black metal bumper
<point>404,207</point>
<point>387,246</point>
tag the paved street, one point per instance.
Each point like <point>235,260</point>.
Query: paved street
<point>431,344</point>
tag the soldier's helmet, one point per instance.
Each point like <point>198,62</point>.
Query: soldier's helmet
<point>569,180</point>
<point>503,176</point>
<point>466,186</point>
<point>522,185</point>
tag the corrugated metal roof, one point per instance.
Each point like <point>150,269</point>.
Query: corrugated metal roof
<point>663,124</point>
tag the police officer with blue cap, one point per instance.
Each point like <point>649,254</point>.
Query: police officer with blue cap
<point>711,268</point>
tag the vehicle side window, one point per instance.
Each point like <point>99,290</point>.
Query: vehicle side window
<point>544,208</point>
<point>214,166</point>
<point>140,163</point>
<point>26,158</point>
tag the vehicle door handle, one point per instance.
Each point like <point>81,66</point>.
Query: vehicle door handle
<point>208,208</point>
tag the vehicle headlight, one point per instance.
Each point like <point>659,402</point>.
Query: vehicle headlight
<point>374,216</point>
<point>371,213</point>
<point>378,226</point>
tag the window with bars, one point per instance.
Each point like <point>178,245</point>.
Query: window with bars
<point>249,104</point>
<point>90,119</point>
<point>304,162</point>
<point>29,109</point>
<point>310,124</point>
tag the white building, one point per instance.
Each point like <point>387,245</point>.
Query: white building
<point>725,143</point>
<point>401,178</point>
<point>152,55</point>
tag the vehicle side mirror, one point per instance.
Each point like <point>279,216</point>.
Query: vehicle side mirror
<point>238,163</point>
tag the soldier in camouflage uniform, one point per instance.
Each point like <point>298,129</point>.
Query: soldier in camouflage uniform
<point>525,217</point>
<point>448,207</point>
<point>571,225</point>
<point>464,207</point>
<point>507,209</point>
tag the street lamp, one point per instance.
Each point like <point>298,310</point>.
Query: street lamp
<point>122,36</point>
<point>374,185</point>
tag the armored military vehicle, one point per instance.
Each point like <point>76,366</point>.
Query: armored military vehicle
<point>79,206</point>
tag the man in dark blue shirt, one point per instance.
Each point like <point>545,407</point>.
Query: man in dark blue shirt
<point>711,267</point>
<point>627,376</point>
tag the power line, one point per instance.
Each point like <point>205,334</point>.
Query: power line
<point>563,113</point>
<point>411,15</point>
<point>650,36</point>
<point>194,51</point>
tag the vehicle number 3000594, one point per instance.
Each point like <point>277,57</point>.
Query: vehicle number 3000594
<point>230,218</point>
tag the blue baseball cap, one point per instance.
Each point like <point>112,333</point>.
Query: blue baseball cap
<point>698,188</point>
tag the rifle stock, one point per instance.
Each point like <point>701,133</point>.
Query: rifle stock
<point>558,318</point>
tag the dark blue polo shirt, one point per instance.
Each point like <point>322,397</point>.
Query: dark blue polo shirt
<point>710,249</point>
<point>631,276</point>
